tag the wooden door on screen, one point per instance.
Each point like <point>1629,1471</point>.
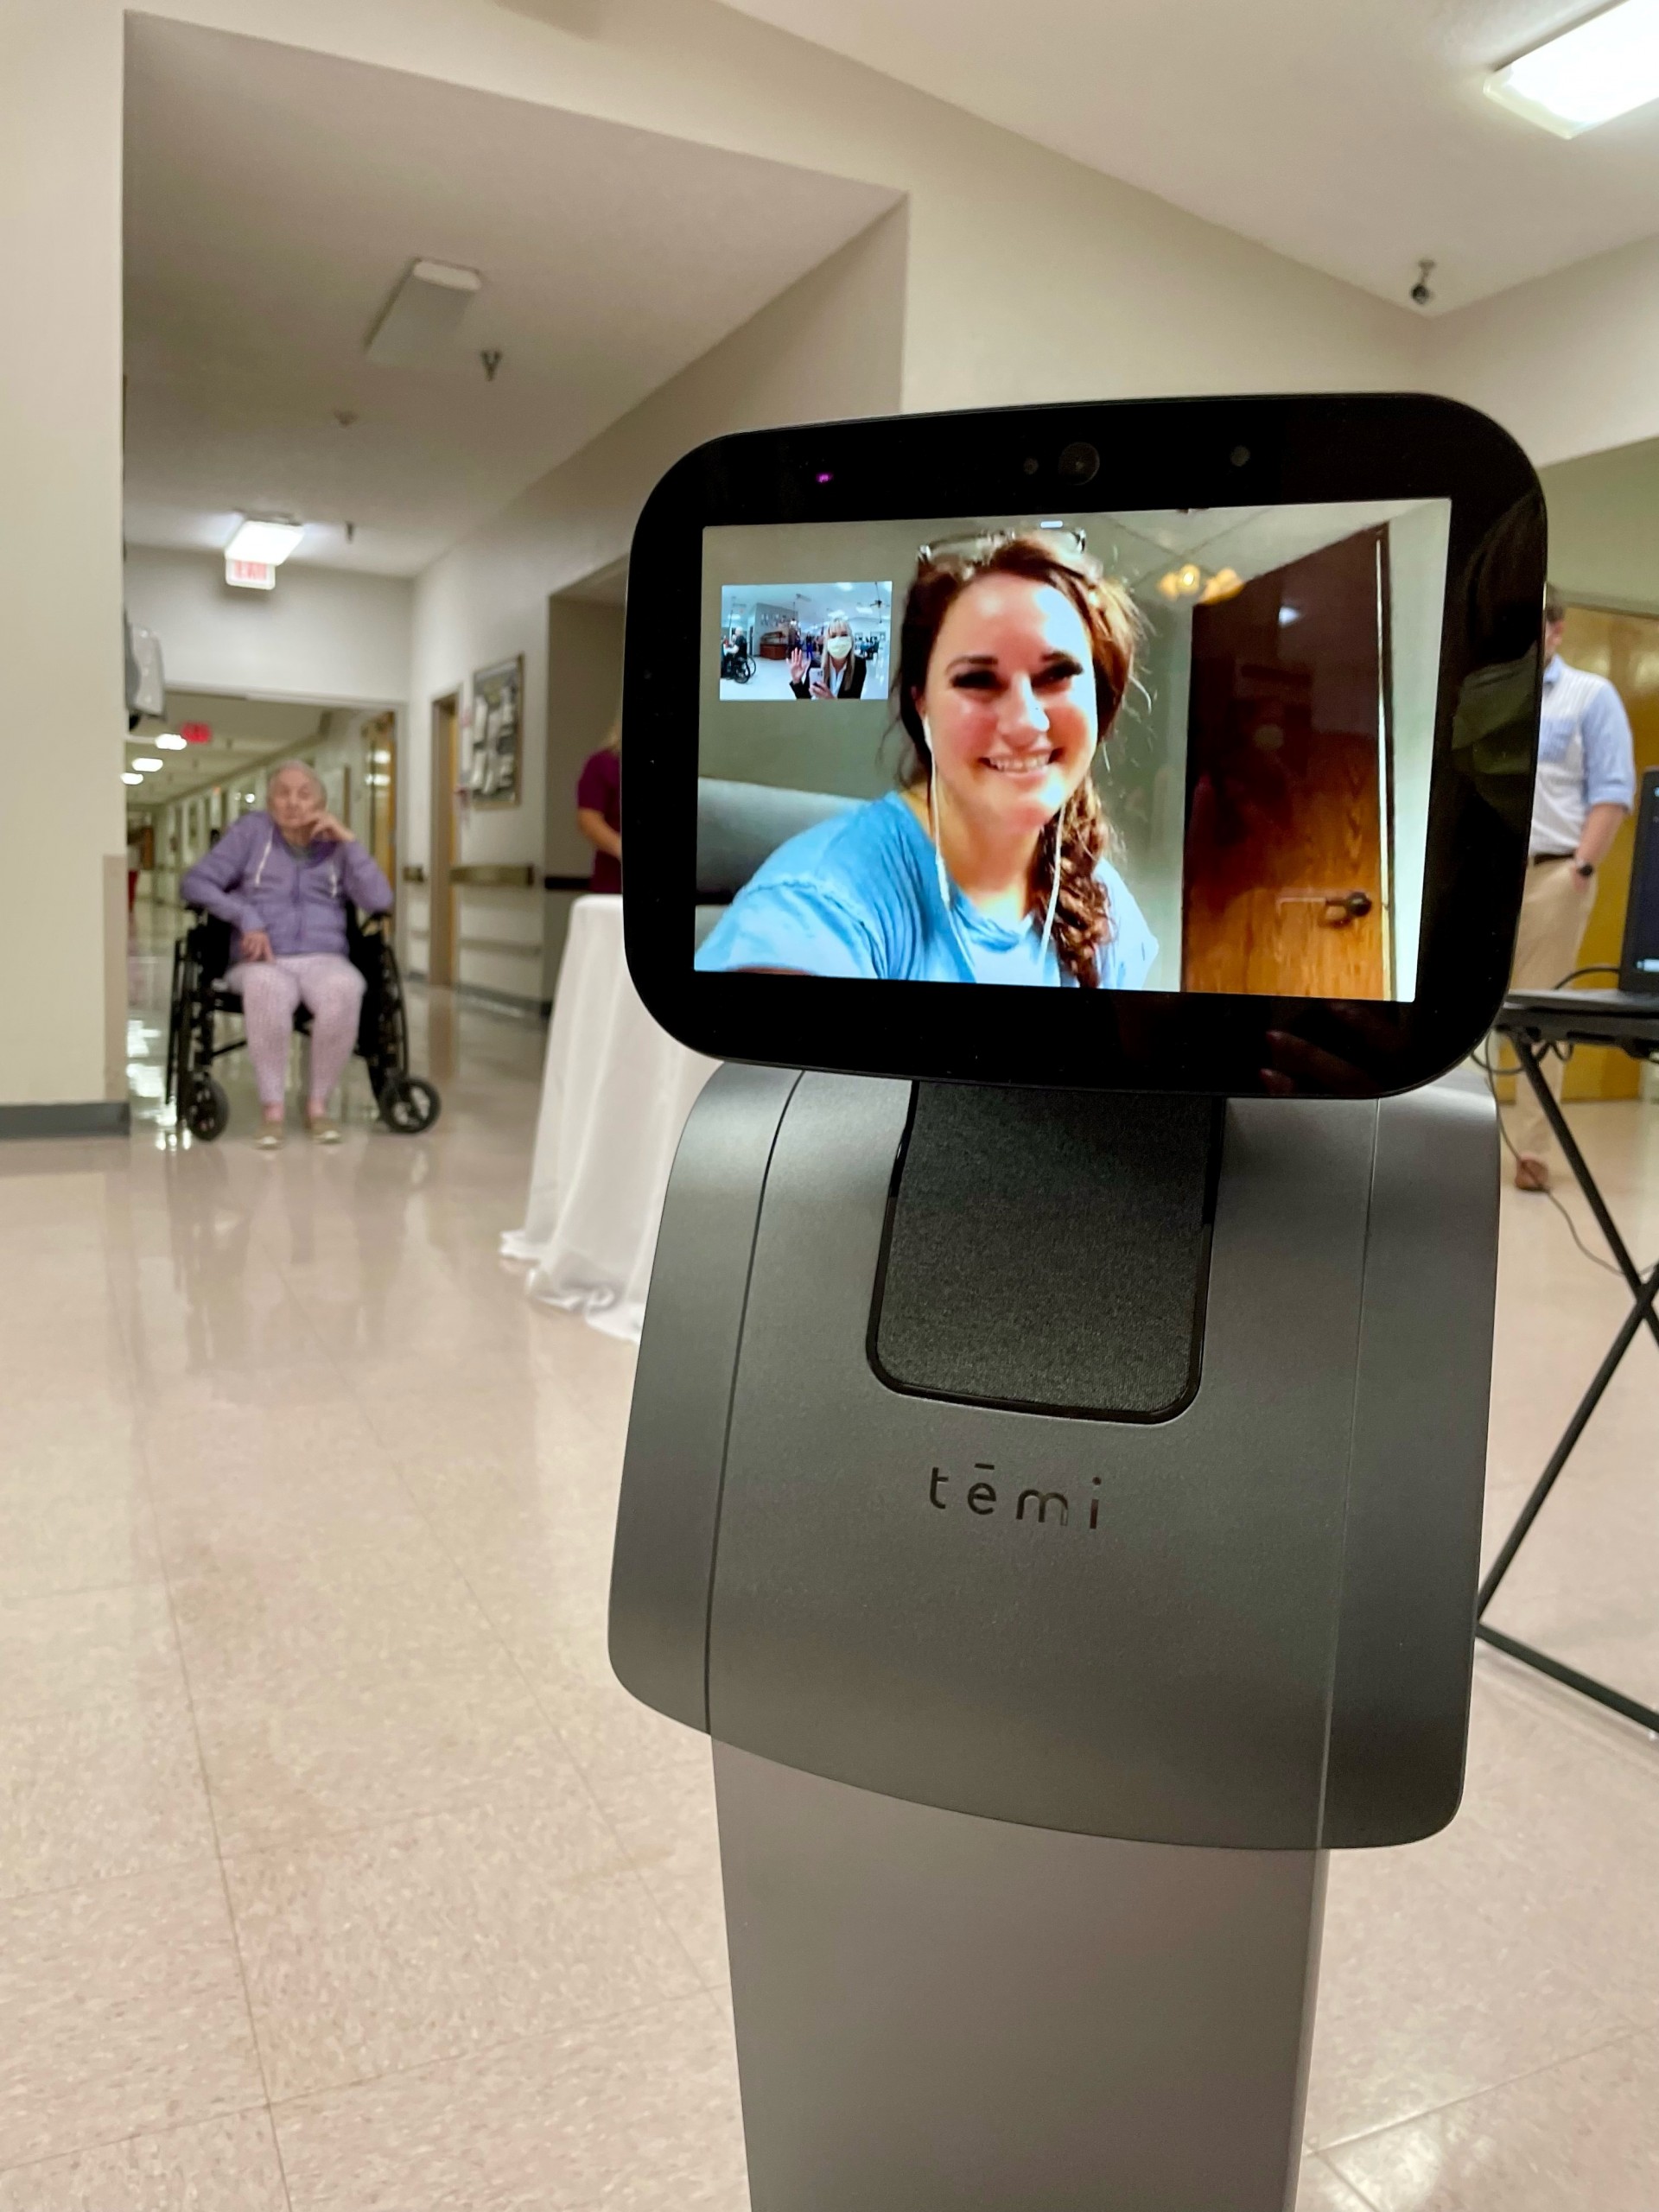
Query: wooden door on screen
<point>1286,886</point>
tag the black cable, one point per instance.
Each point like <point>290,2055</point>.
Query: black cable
<point>1596,967</point>
<point>1483,1061</point>
<point>1492,1074</point>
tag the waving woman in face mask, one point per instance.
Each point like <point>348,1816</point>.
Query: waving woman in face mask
<point>841,676</point>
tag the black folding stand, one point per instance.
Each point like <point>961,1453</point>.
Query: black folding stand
<point>1534,1021</point>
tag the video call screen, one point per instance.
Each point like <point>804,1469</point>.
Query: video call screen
<point>1164,751</point>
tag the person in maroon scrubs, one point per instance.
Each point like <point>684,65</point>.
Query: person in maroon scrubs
<point>599,810</point>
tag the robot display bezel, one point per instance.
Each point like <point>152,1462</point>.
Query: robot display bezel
<point>1152,454</point>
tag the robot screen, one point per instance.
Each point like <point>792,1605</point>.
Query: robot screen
<point>1198,734</point>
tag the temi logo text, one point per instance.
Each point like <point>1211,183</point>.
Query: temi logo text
<point>983,1498</point>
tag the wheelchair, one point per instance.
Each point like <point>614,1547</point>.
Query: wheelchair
<point>736,668</point>
<point>408,1103</point>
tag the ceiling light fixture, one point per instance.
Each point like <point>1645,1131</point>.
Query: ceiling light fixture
<point>147,764</point>
<point>269,542</point>
<point>169,742</point>
<point>127,777</point>
<point>1597,70</point>
<point>421,320</point>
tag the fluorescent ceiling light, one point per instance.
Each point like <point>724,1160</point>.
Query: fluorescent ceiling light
<point>147,764</point>
<point>268,542</point>
<point>423,316</point>
<point>1588,76</point>
<point>169,741</point>
<point>127,777</point>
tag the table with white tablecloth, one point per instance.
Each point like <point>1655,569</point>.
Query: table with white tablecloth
<point>615,1095</point>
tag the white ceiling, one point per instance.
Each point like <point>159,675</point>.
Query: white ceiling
<point>1352,134</point>
<point>276,197</point>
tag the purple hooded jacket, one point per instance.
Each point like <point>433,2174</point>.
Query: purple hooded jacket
<point>253,881</point>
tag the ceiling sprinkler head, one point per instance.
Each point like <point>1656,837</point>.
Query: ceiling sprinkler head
<point>491,358</point>
<point>1419,291</point>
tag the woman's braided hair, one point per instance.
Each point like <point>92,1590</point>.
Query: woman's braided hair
<point>1083,917</point>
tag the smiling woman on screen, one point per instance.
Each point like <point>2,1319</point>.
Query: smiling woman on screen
<point>988,865</point>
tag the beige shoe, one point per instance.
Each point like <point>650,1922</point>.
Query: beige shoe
<point>1531,1174</point>
<point>323,1131</point>
<point>270,1138</point>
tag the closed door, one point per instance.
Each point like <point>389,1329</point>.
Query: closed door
<point>1286,887</point>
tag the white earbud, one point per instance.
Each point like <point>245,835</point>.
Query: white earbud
<point>933,832</point>
<point>1054,888</point>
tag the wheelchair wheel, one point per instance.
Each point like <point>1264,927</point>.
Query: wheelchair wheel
<point>203,1107</point>
<point>409,1104</point>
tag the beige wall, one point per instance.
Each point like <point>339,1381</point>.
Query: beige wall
<point>322,634</point>
<point>1604,528</point>
<point>584,691</point>
<point>60,546</point>
<point>1569,363</point>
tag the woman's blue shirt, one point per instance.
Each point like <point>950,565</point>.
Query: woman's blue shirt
<point>859,895</point>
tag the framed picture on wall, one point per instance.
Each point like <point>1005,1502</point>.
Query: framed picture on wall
<point>493,753</point>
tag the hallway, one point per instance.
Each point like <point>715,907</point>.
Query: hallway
<point>336,1874</point>
<point>304,1522</point>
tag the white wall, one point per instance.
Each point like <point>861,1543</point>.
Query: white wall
<point>322,634</point>
<point>62,1036</point>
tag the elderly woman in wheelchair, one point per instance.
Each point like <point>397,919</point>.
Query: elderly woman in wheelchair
<point>284,877</point>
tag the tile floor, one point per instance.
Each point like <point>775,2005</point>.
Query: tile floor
<point>336,1875</point>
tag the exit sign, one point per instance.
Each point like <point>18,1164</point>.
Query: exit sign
<point>196,733</point>
<point>251,575</point>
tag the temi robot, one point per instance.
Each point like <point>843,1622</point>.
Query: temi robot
<point>1055,1466</point>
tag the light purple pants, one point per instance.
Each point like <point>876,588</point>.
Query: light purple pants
<point>272,991</point>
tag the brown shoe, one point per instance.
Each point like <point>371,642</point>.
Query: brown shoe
<point>1531,1174</point>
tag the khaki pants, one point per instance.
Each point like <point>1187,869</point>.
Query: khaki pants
<point>1554,912</point>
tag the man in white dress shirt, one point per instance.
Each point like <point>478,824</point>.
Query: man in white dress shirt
<point>1587,785</point>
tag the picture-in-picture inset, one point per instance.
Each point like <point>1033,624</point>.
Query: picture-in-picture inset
<point>812,642</point>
